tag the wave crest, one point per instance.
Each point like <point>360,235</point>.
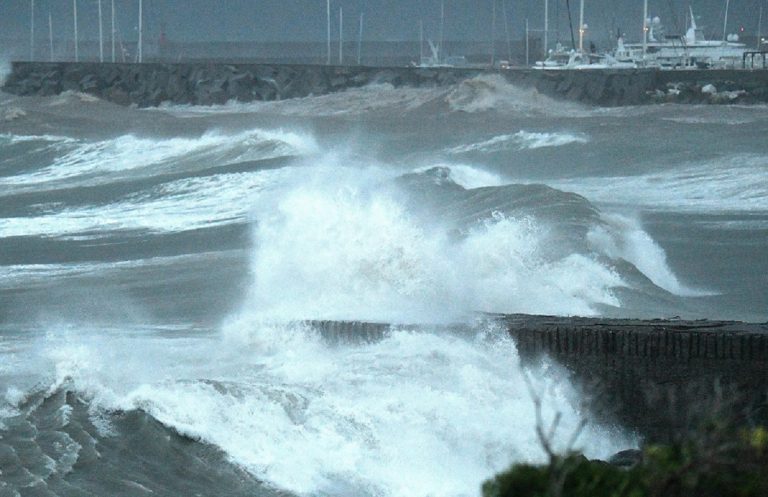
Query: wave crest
<point>522,140</point>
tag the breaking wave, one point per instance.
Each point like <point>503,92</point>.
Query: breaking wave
<point>182,205</point>
<point>87,163</point>
<point>733,183</point>
<point>494,93</point>
<point>417,412</point>
<point>522,140</point>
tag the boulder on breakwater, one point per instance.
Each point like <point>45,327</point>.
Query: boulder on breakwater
<point>148,85</point>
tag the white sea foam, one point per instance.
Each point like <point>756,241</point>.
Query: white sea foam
<point>468,176</point>
<point>9,138</point>
<point>522,140</point>
<point>182,205</point>
<point>732,183</point>
<point>98,162</point>
<point>717,120</point>
<point>418,413</point>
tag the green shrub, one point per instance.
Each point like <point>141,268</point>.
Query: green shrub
<point>571,476</point>
<point>716,461</point>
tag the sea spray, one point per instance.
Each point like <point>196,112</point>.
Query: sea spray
<point>418,412</point>
<point>340,247</point>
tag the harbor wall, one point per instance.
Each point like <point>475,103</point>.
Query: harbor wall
<point>147,85</point>
<point>656,377</point>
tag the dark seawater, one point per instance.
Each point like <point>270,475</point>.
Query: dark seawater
<point>155,267</point>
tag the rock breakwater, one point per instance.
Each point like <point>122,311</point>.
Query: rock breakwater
<point>147,85</point>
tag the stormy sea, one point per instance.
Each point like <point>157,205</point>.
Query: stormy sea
<point>163,271</point>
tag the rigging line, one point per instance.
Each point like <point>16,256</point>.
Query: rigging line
<point>570,23</point>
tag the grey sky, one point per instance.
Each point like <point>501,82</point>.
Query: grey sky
<point>304,20</point>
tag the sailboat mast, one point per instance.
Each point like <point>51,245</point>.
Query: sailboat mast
<point>581,27</point>
<point>759,25</point>
<point>32,30</point>
<point>113,31</point>
<point>527,40</point>
<point>328,17</point>
<point>725,21</point>
<point>74,9</point>
<point>546,28</point>
<point>442,27</point>
<point>421,41</point>
<point>141,31</point>
<point>493,32</point>
<point>645,27</point>
<point>101,36</point>
<point>341,35</point>
<point>50,33</point>
<point>360,41</point>
<point>506,29</point>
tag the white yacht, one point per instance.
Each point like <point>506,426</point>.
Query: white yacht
<point>560,58</point>
<point>690,51</point>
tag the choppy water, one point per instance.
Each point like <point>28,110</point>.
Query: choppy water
<point>155,267</point>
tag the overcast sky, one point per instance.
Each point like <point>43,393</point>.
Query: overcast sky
<point>305,20</point>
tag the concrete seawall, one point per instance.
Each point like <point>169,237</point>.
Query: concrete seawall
<point>147,85</point>
<point>659,377</point>
<point>656,377</point>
